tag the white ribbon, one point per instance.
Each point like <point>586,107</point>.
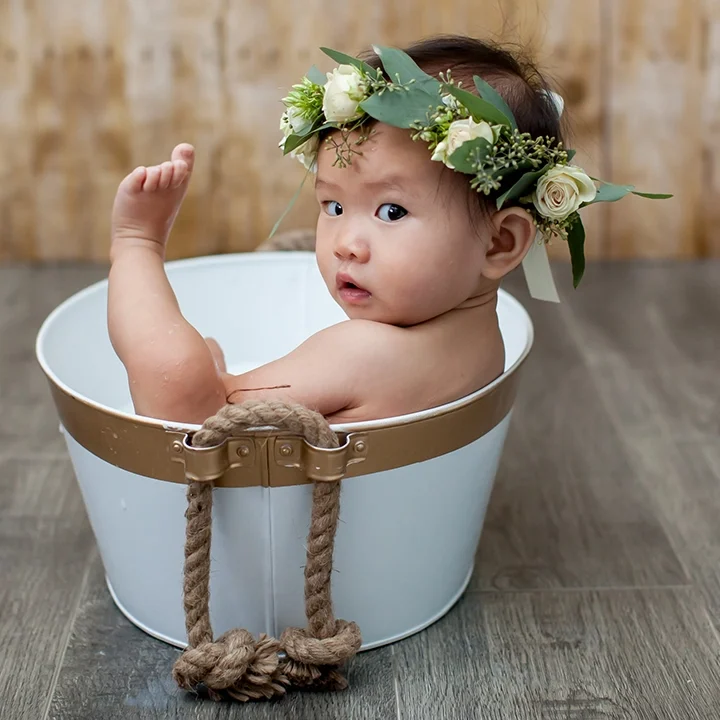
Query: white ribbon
<point>557,101</point>
<point>536,264</point>
<point>538,274</point>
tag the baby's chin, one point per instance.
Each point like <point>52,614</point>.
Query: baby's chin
<point>355,312</point>
<point>373,314</point>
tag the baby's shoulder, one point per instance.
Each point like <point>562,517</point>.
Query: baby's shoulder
<point>363,338</point>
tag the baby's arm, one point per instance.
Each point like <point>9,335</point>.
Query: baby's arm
<point>171,370</point>
<point>327,373</point>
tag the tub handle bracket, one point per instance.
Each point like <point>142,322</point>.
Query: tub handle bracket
<point>272,460</point>
<point>210,464</point>
<point>320,464</point>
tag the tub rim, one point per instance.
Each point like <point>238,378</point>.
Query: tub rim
<point>416,436</point>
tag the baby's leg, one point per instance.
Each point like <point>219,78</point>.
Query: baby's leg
<point>217,353</point>
<point>171,369</point>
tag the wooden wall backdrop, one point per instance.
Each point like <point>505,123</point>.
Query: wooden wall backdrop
<point>92,88</point>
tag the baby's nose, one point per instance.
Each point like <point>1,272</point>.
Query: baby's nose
<point>352,247</point>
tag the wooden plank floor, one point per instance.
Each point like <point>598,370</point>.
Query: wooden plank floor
<point>597,588</point>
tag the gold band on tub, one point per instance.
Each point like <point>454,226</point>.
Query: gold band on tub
<point>275,459</point>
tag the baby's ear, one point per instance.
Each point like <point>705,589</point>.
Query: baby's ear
<point>512,232</point>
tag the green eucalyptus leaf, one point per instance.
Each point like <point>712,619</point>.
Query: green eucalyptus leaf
<point>488,92</point>
<point>608,192</point>
<point>522,185</point>
<point>468,154</point>
<point>653,196</point>
<point>480,109</point>
<point>400,108</point>
<point>344,59</point>
<point>576,244</point>
<point>314,75</point>
<point>400,67</point>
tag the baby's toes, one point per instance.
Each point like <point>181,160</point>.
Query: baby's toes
<point>180,173</point>
<point>134,181</point>
<point>186,152</point>
<point>166,175</point>
<point>152,179</point>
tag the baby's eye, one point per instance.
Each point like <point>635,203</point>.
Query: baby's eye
<point>333,208</point>
<point>389,212</point>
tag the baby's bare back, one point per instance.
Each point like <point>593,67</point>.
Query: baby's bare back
<point>363,370</point>
<point>427,365</point>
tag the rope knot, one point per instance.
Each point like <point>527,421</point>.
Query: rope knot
<point>317,662</point>
<point>234,665</point>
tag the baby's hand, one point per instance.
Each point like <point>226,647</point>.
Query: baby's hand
<point>149,198</point>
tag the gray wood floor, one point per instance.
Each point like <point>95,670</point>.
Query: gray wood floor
<point>597,587</point>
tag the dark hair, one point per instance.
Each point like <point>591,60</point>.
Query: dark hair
<point>513,75</point>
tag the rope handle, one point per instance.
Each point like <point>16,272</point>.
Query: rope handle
<point>236,665</point>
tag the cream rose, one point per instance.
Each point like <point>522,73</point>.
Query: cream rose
<point>344,91</point>
<point>293,122</point>
<point>459,132</point>
<point>561,191</point>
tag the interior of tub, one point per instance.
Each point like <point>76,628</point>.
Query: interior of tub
<point>258,306</point>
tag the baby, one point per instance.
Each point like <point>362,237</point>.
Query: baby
<point>428,196</point>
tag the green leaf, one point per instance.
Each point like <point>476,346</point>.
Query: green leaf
<point>293,142</point>
<point>610,193</point>
<point>488,92</point>
<point>401,68</point>
<point>344,59</point>
<point>469,153</point>
<point>316,76</point>
<point>480,109</point>
<point>400,108</point>
<point>576,243</point>
<point>570,154</point>
<point>522,185</point>
<point>652,196</point>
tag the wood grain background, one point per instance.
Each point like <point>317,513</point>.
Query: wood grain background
<point>91,88</point>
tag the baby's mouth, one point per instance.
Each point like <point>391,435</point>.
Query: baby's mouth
<point>349,290</point>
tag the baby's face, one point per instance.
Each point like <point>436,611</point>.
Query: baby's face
<point>395,240</point>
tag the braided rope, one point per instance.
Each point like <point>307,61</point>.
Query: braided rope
<point>236,665</point>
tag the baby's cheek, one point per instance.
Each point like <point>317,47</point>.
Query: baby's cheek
<point>323,257</point>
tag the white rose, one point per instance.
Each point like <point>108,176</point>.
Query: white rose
<point>293,122</point>
<point>344,91</point>
<point>306,153</point>
<point>459,132</point>
<point>561,191</point>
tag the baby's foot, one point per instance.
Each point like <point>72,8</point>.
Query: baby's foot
<point>149,198</point>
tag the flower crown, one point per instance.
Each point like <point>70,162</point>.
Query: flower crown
<point>473,134</point>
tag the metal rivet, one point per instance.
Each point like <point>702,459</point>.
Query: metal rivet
<point>286,450</point>
<point>177,447</point>
<point>243,451</point>
<point>359,446</point>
